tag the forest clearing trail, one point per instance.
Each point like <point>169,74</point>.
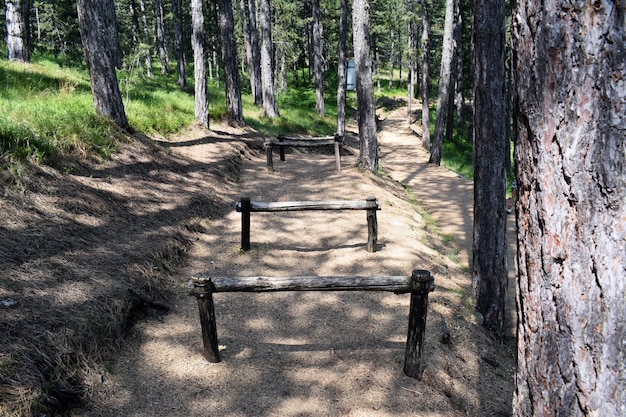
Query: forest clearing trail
<point>447,197</point>
<point>312,353</point>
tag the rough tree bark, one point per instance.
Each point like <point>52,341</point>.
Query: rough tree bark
<point>94,18</point>
<point>198,44</point>
<point>229,59</point>
<point>368,140</point>
<point>17,23</point>
<point>570,76</point>
<point>445,76</point>
<point>318,58</point>
<point>341,68</point>
<point>425,49</point>
<point>489,266</point>
<point>270,109</point>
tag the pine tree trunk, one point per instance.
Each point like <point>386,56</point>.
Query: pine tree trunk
<point>392,58</point>
<point>198,44</point>
<point>368,140</point>
<point>445,77</point>
<point>255,45</point>
<point>229,59</point>
<point>245,29</point>
<point>179,46</point>
<point>489,266</point>
<point>270,109</point>
<point>411,42</point>
<point>160,37</point>
<point>425,49</point>
<point>318,58</point>
<point>17,23</point>
<point>341,69</point>
<point>570,76</point>
<point>146,39</point>
<point>94,18</point>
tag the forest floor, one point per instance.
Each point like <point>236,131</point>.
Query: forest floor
<point>158,214</point>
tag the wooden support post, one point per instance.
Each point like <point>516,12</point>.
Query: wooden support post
<point>372,223</point>
<point>421,284</point>
<point>281,139</point>
<point>245,207</point>
<point>268,155</point>
<point>338,140</point>
<point>204,293</point>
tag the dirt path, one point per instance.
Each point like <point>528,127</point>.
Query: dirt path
<point>316,354</point>
<point>448,197</point>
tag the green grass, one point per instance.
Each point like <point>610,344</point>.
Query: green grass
<point>47,112</point>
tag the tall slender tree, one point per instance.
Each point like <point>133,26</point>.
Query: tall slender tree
<point>425,52</point>
<point>160,37</point>
<point>318,57</point>
<point>270,108</point>
<point>198,44</point>
<point>18,29</point>
<point>255,45</point>
<point>179,45</point>
<point>489,273</point>
<point>94,16</point>
<point>570,152</point>
<point>229,60</point>
<point>445,76</point>
<point>368,139</point>
<point>341,68</point>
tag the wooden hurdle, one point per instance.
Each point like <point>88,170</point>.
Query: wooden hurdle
<point>245,206</point>
<point>336,141</point>
<point>419,284</point>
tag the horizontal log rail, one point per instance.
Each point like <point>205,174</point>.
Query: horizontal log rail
<point>371,205</point>
<point>336,141</point>
<point>396,284</point>
<point>419,284</point>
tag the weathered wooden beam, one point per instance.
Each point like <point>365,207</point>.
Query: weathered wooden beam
<point>421,284</point>
<point>372,223</point>
<point>301,143</point>
<point>244,207</point>
<point>204,293</point>
<point>396,284</point>
<point>296,138</point>
<point>312,205</point>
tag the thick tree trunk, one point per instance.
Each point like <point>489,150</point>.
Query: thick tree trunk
<point>341,68</point>
<point>229,59</point>
<point>425,49</point>
<point>489,271</point>
<point>198,44</point>
<point>570,75</point>
<point>179,46</point>
<point>17,22</point>
<point>160,35</point>
<point>318,58</point>
<point>93,19</point>
<point>445,77</point>
<point>270,109</point>
<point>368,140</point>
